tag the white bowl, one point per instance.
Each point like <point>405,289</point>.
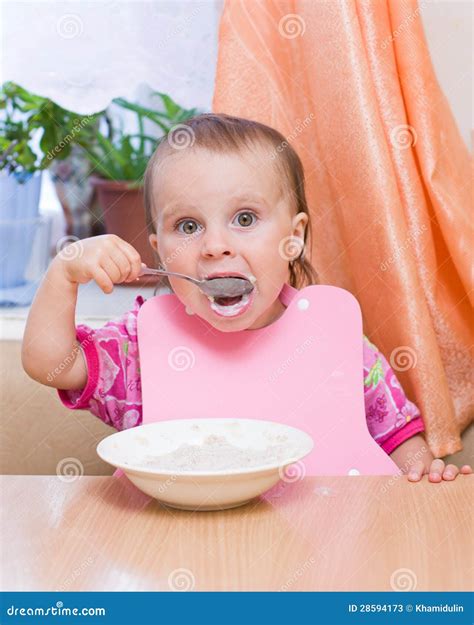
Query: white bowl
<point>133,451</point>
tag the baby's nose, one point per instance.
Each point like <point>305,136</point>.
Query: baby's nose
<point>216,252</point>
<point>216,246</point>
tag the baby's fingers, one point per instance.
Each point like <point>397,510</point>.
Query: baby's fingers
<point>436,470</point>
<point>112,269</point>
<point>416,471</point>
<point>134,259</point>
<point>450,472</point>
<point>117,265</point>
<point>103,280</point>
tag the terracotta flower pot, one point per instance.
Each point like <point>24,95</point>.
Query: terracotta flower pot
<point>124,215</point>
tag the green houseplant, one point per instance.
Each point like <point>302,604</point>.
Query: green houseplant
<point>34,132</point>
<point>23,118</point>
<point>120,156</point>
<point>117,159</point>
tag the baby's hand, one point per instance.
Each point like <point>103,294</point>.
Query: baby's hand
<point>107,259</point>
<point>437,471</point>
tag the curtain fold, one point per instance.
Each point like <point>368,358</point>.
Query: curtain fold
<point>351,85</point>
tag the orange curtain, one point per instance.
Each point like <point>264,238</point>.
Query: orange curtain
<point>351,85</point>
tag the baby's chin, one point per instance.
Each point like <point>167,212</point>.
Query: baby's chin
<point>230,325</point>
<point>226,324</point>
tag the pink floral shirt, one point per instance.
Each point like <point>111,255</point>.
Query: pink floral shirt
<point>113,389</point>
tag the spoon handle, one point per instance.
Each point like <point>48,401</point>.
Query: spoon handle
<point>162,272</point>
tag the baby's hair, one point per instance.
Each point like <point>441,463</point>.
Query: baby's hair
<point>219,132</point>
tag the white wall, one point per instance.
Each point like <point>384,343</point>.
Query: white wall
<point>448,28</point>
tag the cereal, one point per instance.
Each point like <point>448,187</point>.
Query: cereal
<point>216,453</point>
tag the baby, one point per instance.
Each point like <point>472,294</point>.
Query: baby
<point>224,198</point>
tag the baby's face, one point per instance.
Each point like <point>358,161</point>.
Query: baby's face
<point>224,213</point>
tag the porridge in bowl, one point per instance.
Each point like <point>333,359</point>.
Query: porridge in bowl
<point>216,453</point>
<point>205,464</point>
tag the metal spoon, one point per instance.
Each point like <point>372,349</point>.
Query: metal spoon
<point>214,287</point>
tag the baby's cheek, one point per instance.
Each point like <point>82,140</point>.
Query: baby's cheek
<point>195,303</point>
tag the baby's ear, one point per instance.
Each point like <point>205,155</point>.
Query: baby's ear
<point>300,222</point>
<point>153,241</point>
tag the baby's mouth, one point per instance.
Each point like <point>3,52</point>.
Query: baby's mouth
<point>226,301</point>
<point>230,306</point>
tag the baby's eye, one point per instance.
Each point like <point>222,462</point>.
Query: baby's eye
<point>187,226</point>
<point>246,219</point>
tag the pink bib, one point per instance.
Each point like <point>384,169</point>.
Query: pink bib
<point>304,370</point>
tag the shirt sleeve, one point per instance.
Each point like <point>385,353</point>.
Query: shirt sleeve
<point>391,417</point>
<point>113,389</point>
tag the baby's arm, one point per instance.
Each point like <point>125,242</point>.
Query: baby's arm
<point>50,347</point>
<point>396,424</point>
<point>49,341</point>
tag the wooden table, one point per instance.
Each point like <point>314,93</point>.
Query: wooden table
<point>339,533</point>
